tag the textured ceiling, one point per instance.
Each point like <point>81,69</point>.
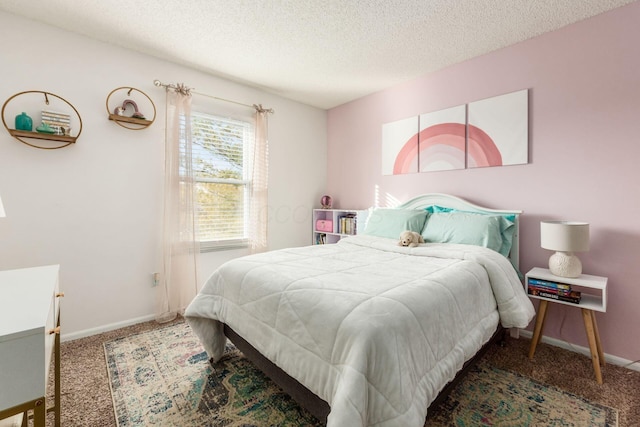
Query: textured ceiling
<point>319,52</point>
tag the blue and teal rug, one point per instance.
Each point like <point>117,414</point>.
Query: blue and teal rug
<point>163,378</point>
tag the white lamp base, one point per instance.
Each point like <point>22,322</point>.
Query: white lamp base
<point>565,264</point>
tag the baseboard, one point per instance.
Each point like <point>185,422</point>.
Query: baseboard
<point>614,360</point>
<point>105,328</point>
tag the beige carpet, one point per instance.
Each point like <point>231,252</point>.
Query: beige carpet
<point>86,397</point>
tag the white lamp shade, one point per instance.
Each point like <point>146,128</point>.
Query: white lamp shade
<point>2,214</point>
<point>564,236</point>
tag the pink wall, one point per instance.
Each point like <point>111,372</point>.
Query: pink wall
<point>584,146</point>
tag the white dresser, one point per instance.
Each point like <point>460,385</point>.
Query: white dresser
<point>29,337</point>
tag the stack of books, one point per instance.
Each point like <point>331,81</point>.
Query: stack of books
<point>553,290</point>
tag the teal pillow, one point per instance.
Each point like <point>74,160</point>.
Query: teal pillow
<point>387,222</point>
<point>465,228</point>
<point>507,225</point>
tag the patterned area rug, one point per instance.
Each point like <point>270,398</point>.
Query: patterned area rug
<point>492,397</point>
<point>163,378</point>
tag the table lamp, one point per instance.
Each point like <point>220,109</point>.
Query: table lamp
<point>565,237</point>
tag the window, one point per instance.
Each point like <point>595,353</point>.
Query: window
<point>220,158</point>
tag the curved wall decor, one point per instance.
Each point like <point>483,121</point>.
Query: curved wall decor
<point>41,139</point>
<point>490,132</point>
<point>128,114</point>
<point>442,139</point>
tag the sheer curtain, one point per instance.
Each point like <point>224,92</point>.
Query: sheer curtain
<point>180,247</point>
<point>258,211</point>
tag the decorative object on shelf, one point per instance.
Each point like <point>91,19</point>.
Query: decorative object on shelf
<point>136,114</point>
<point>24,122</point>
<point>565,237</point>
<point>326,202</point>
<point>128,115</point>
<point>63,138</point>
<point>58,121</point>
<point>45,128</point>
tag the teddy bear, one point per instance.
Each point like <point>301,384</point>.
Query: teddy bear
<point>410,238</point>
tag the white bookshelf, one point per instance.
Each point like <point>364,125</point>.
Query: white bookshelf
<point>337,228</point>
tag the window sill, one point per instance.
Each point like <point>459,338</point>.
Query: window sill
<point>224,245</point>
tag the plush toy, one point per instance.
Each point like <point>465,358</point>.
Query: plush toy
<point>410,238</point>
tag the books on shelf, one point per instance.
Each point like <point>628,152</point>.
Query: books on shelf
<point>549,284</point>
<point>553,290</point>
<point>347,224</point>
<point>321,239</point>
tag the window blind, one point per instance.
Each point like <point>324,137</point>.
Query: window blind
<point>220,154</point>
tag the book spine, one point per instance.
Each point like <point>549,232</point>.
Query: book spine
<point>350,222</point>
<point>575,299</point>
<point>549,284</point>
<point>551,290</point>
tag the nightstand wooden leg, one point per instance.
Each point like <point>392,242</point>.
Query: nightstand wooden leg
<point>597,336</point>
<point>537,333</point>
<point>587,315</point>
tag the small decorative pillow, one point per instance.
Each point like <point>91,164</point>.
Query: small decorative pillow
<point>464,228</point>
<point>389,222</point>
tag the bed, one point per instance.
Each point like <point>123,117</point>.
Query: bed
<point>366,332</point>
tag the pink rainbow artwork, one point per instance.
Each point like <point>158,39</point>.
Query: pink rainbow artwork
<point>400,147</point>
<point>442,139</point>
<point>489,132</point>
<point>445,143</point>
<point>503,120</point>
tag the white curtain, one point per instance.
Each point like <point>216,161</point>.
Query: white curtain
<point>179,280</point>
<point>258,211</point>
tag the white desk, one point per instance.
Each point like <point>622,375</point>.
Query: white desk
<point>29,334</point>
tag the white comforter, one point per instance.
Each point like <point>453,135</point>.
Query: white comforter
<point>374,329</point>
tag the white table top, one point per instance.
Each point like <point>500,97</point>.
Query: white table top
<point>25,298</point>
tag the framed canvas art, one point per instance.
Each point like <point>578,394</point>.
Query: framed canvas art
<point>498,131</point>
<point>400,147</point>
<point>442,140</point>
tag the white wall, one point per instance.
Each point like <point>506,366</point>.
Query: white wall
<point>93,207</point>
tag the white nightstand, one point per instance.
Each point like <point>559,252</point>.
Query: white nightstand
<point>593,298</point>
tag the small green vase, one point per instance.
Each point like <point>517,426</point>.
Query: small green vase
<point>24,122</point>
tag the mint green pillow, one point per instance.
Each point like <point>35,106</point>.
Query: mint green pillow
<point>388,222</point>
<point>507,225</point>
<point>465,228</point>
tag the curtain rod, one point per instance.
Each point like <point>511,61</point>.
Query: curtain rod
<point>180,87</point>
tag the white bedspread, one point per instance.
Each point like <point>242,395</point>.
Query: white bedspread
<point>374,329</point>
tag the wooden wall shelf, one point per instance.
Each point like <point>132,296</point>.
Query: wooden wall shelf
<point>126,119</point>
<point>46,136</point>
<point>31,136</point>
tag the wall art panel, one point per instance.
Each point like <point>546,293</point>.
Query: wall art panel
<point>498,130</point>
<point>442,139</point>
<point>400,147</point>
